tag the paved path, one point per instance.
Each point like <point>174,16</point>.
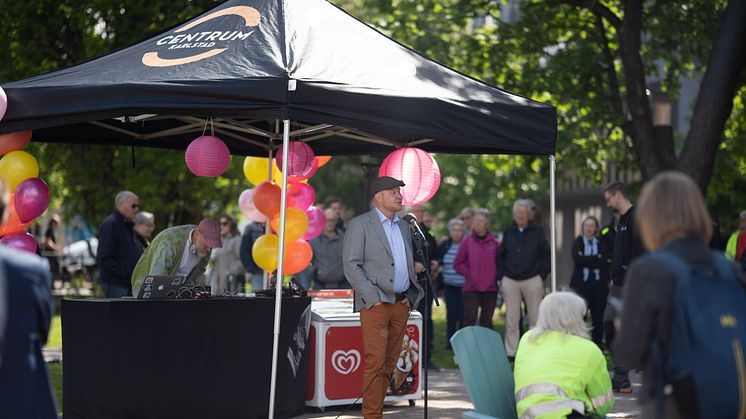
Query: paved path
<point>448,398</point>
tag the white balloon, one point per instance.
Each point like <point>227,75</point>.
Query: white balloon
<point>3,103</point>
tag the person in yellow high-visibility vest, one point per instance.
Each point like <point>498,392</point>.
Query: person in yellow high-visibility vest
<point>731,247</point>
<point>559,371</point>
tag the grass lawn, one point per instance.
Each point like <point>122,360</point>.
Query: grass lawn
<point>55,333</point>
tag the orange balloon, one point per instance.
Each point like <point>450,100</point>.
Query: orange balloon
<point>323,160</point>
<point>296,224</point>
<point>298,255</point>
<point>13,141</point>
<point>13,224</point>
<point>267,198</point>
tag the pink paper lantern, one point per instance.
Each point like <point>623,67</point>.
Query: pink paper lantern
<point>21,241</point>
<point>316,223</point>
<point>207,156</point>
<point>417,169</point>
<point>300,159</point>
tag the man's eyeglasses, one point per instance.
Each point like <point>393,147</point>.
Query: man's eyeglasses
<point>135,206</point>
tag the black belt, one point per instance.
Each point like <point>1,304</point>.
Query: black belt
<point>400,296</point>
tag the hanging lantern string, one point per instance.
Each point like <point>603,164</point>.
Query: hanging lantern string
<point>205,128</point>
<point>212,128</point>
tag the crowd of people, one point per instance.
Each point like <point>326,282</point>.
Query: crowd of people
<point>625,294</point>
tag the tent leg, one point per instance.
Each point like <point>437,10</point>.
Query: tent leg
<point>280,257</point>
<point>553,220</point>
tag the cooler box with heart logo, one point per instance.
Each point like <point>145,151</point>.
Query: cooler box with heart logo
<point>335,374</point>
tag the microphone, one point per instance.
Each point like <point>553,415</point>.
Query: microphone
<point>412,220</point>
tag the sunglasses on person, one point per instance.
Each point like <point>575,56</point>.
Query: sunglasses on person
<point>224,223</point>
<point>135,206</point>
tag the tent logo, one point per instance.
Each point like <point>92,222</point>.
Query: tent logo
<point>203,39</point>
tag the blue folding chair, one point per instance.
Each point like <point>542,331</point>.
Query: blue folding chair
<point>480,356</point>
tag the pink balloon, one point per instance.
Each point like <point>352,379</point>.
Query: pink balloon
<point>316,223</point>
<point>31,199</point>
<point>246,204</point>
<point>301,195</point>
<point>3,103</point>
<point>20,241</point>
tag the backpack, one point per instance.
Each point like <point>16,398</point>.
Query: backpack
<point>708,332</point>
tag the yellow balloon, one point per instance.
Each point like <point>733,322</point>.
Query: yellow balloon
<point>256,169</point>
<point>17,166</point>
<point>264,252</point>
<point>276,173</point>
<point>296,224</point>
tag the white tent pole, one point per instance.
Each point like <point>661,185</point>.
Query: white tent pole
<point>280,257</point>
<point>553,221</point>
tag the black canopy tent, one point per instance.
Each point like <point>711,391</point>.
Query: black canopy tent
<point>248,64</point>
<point>347,88</point>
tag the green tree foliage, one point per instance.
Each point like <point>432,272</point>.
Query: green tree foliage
<point>569,53</point>
<point>590,59</point>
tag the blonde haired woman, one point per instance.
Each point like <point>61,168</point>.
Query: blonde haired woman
<point>672,217</point>
<point>559,371</point>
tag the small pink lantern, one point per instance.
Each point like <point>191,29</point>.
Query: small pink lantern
<point>417,169</point>
<point>207,156</point>
<point>300,159</point>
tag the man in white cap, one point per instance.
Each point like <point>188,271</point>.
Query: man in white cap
<point>378,262</point>
<point>183,250</point>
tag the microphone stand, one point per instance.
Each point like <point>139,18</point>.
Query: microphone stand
<point>421,245</point>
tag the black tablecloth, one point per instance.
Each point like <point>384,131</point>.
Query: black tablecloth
<point>182,358</point>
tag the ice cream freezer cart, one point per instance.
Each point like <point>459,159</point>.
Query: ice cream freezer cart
<point>335,375</point>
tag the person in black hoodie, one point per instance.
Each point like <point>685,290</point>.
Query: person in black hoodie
<point>523,263</point>
<point>590,276</point>
<point>117,251</point>
<point>627,247</point>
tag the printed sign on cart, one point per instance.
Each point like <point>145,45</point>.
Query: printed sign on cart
<point>345,363</point>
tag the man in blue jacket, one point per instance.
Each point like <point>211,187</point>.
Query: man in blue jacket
<point>117,251</point>
<point>26,309</point>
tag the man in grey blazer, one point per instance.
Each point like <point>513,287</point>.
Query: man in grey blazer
<point>379,264</point>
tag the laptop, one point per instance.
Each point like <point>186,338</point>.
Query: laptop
<point>161,287</point>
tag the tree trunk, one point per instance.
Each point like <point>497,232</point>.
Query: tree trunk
<point>649,153</point>
<point>715,99</point>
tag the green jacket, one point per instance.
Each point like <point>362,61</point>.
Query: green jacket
<point>163,256</point>
<point>559,373</point>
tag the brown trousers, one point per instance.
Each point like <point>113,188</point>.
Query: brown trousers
<point>382,339</point>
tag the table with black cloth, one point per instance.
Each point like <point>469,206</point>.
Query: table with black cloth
<point>211,358</point>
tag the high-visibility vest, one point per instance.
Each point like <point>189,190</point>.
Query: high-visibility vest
<point>732,246</point>
<point>559,373</point>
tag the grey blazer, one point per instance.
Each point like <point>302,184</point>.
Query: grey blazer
<point>369,265</point>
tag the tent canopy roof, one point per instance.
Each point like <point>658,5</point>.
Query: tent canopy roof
<point>347,89</point>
